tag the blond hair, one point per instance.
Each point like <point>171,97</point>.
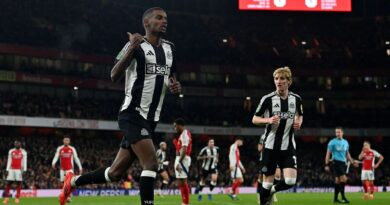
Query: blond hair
<point>284,72</point>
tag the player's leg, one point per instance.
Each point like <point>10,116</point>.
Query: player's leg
<point>146,154</point>
<point>19,179</point>
<point>165,180</point>
<point>343,181</point>
<point>213,183</point>
<point>201,184</point>
<point>336,189</point>
<point>365,184</point>
<point>268,169</point>
<point>371,179</point>
<point>6,191</point>
<point>238,179</point>
<point>182,178</point>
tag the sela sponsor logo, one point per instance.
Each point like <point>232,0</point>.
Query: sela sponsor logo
<point>285,115</point>
<point>152,68</point>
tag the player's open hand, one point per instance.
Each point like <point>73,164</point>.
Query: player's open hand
<point>174,85</point>
<point>135,39</point>
<point>327,169</point>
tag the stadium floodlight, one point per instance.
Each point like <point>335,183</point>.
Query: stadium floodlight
<point>248,98</point>
<point>303,42</point>
<point>75,88</point>
<point>181,95</point>
<point>224,40</point>
<point>387,42</point>
<point>320,99</point>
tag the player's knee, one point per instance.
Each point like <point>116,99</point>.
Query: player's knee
<point>114,175</point>
<point>290,181</point>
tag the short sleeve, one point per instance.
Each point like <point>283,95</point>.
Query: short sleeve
<point>263,106</point>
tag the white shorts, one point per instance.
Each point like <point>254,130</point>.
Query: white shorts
<point>15,175</point>
<point>63,174</point>
<point>236,173</point>
<point>186,163</point>
<point>368,175</point>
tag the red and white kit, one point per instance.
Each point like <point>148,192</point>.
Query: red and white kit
<point>368,164</point>
<point>66,154</point>
<point>183,140</point>
<point>16,164</point>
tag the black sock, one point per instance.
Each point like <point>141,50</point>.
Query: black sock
<point>163,185</point>
<point>146,188</point>
<point>276,181</point>
<point>336,191</point>
<point>342,188</point>
<point>94,177</point>
<point>200,188</point>
<point>282,186</point>
<point>264,194</point>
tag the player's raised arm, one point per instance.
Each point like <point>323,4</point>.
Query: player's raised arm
<point>125,56</point>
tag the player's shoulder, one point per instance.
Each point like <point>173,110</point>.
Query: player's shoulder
<point>269,95</point>
<point>11,150</point>
<point>295,95</point>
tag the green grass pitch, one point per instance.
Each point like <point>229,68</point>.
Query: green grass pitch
<point>245,199</point>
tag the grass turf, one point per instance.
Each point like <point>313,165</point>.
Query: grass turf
<point>245,199</point>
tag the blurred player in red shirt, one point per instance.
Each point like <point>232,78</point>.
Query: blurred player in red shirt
<point>236,168</point>
<point>183,146</point>
<point>67,154</point>
<point>16,165</point>
<point>368,156</point>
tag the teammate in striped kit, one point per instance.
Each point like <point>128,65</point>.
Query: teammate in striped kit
<point>16,165</point>
<point>368,156</point>
<point>148,65</point>
<point>236,168</point>
<point>209,155</point>
<point>182,165</point>
<point>163,163</point>
<point>282,113</point>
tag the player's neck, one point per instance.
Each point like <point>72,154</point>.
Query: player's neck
<point>153,39</point>
<point>282,93</point>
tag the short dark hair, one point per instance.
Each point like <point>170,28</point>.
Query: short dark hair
<point>66,136</point>
<point>368,142</point>
<point>150,11</point>
<point>180,121</point>
<point>340,128</point>
<point>240,138</point>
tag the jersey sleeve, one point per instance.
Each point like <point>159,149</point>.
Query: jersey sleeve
<point>122,52</point>
<point>376,154</point>
<point>173,67</point>
<point>9,160</point>
<point>263,106</point>
<point>299,106</point>
<point>24,168</point>
<point>330,146</point>
<point>76,159</point>
<point>56,156</point>
<point>202,152</point>
<point>232,156</point>
<point>185,139</point>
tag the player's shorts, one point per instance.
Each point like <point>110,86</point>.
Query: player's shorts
<point>277,158</point>
<point>134,128</point>
<point>339,168</point>
<point>63,174</point>
<point>15,175</point>
<point>236,173</point>
<point>368,175</point>
<point>206,173</point>
<point>185,165</point>
<point>163,168</point>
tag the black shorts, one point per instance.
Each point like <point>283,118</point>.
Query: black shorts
<point>277,158</point>
<point>339,168</point>
<point>206,173</point>
<point>134,128</point>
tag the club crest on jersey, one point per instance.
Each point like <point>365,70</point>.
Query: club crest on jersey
<point>152,68</point>
<point>169,54</point>
<point>292,105</point>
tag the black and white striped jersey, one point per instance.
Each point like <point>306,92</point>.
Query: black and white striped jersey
<point>161,157</point>
<point>280,136</point>
<point>147,78</point>
<point>210,163</point>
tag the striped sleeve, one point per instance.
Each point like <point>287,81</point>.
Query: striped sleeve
<point>263,106</point>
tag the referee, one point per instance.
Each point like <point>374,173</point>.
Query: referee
<point>338,147</point>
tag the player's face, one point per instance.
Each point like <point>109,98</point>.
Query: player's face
<point>66,141</point>
<point>157,22</point>
<point>240,143</point>
<point>17,144</point>
<point>339,133</point>
<point>281,82</point>
<point>211,143</point>
<point>163,146</point>
<point>366,146</point>
<point>176,127</point>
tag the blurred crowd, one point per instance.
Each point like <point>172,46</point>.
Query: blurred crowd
<point>98,150</point>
